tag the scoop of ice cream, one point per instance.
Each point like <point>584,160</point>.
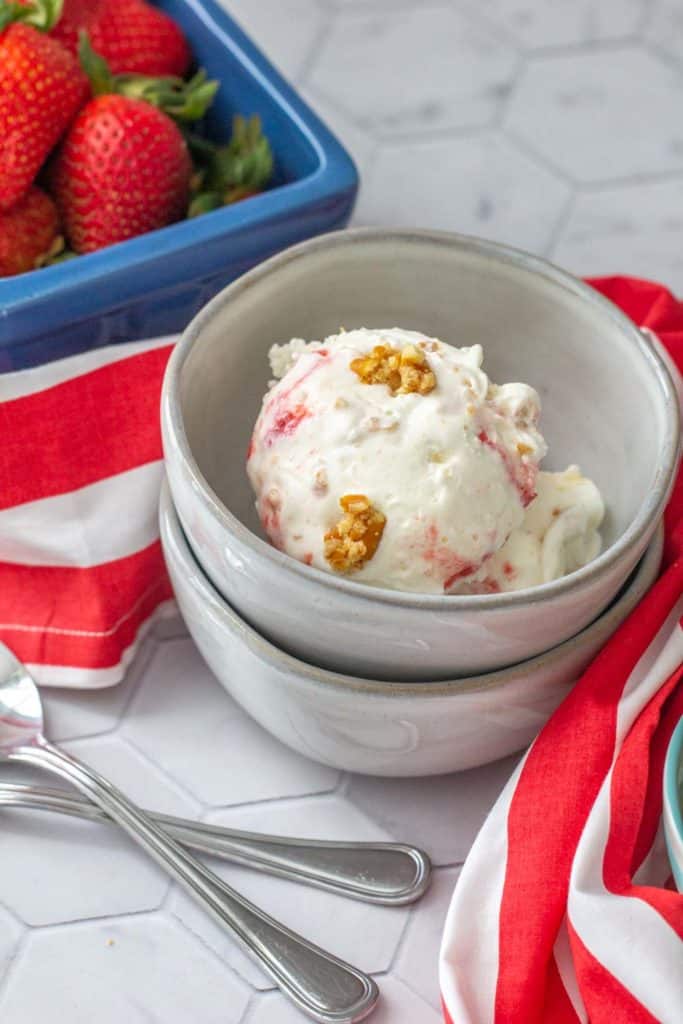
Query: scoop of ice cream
<point>390,456</point>
<point>559,534</point>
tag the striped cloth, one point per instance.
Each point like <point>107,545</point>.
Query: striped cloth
<point>564,911</point>
<point>82,574</point>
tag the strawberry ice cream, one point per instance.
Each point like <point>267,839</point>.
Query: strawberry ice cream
<point>389,457</point>
<point>559,533</point>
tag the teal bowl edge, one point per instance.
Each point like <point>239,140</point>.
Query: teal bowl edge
<point>673,799</point>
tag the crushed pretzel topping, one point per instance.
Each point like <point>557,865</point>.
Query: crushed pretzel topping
<point>403,371</point>
<point>354,539</point>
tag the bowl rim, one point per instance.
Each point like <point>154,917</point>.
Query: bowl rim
<point>672,796</point>
<point>172,532</point>
<point>648,514</point>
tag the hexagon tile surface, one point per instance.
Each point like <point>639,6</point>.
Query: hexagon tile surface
<point>601,115</point>
<point>328,920</point>
<point>417,963</point>
<point>272,25</point>
<point>479,185</point>
<point>191,729</point>
<point>665,29</point>
<point>443,814</point>
<point>548,125</point>
<point>644,219</point>
<point>10,934</point>
<point>421,68</point>
<point>120,970</point>
<point>397,1005</point>
<point>62,869</point>
<point>555,23</point>
<point>68,715</point>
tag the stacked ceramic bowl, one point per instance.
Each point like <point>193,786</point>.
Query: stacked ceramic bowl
<point>376,680</point>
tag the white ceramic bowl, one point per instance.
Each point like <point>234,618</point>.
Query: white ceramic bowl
<point>375,727</point>
<point>609,405</point>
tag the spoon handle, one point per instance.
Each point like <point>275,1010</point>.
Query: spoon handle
<point>387,873</point>
<point>325,988</point>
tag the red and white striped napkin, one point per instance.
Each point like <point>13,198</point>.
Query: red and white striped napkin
<point>82,575</point>
<point>564,912</point>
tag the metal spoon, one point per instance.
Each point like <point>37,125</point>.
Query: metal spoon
<point>389,873</point>
<point>325,988</point>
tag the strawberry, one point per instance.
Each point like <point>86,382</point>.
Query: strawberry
<point>29,232</point>
<point>131,35</point>
<point>41,88</point>
<point>123,169</point>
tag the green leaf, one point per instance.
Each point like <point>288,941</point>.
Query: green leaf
<point>95,66</point>
<point>227,174</point>
<point>202,149</point>
<point>245,164</point>
<point>46,14</point>
<point>183,101</point>
<point>61,257</point>
<point>204,202</point>
<point>8,14</point>
<point>41,14</point>
<point>57,253</point>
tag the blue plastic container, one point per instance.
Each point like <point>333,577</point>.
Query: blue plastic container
<point>154,284</point>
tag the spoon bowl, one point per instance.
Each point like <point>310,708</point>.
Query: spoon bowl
<point>21,710</point>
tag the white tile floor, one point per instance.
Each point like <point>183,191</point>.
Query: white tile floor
<point>554,125</point>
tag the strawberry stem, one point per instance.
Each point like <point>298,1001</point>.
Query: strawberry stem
<point>200,147</point>
<point>231,172</point>
<point>245,163</point>
<point>41,14</point>
<point>95,66</point>
<point>204,202</point>
<point>183,101</point>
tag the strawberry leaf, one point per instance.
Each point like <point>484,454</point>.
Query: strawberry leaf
<point>183,101</point>
<point>204,202</point>
<point>95,66</point>
<point>226,174</point>
<point>244,165</point>
<point>59,257</point>
<point>41,14</point>
<point>57,253</point>
<point>202,149</point>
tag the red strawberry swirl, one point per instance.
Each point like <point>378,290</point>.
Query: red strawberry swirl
<point>443,560</point>
<point>522,474</point>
